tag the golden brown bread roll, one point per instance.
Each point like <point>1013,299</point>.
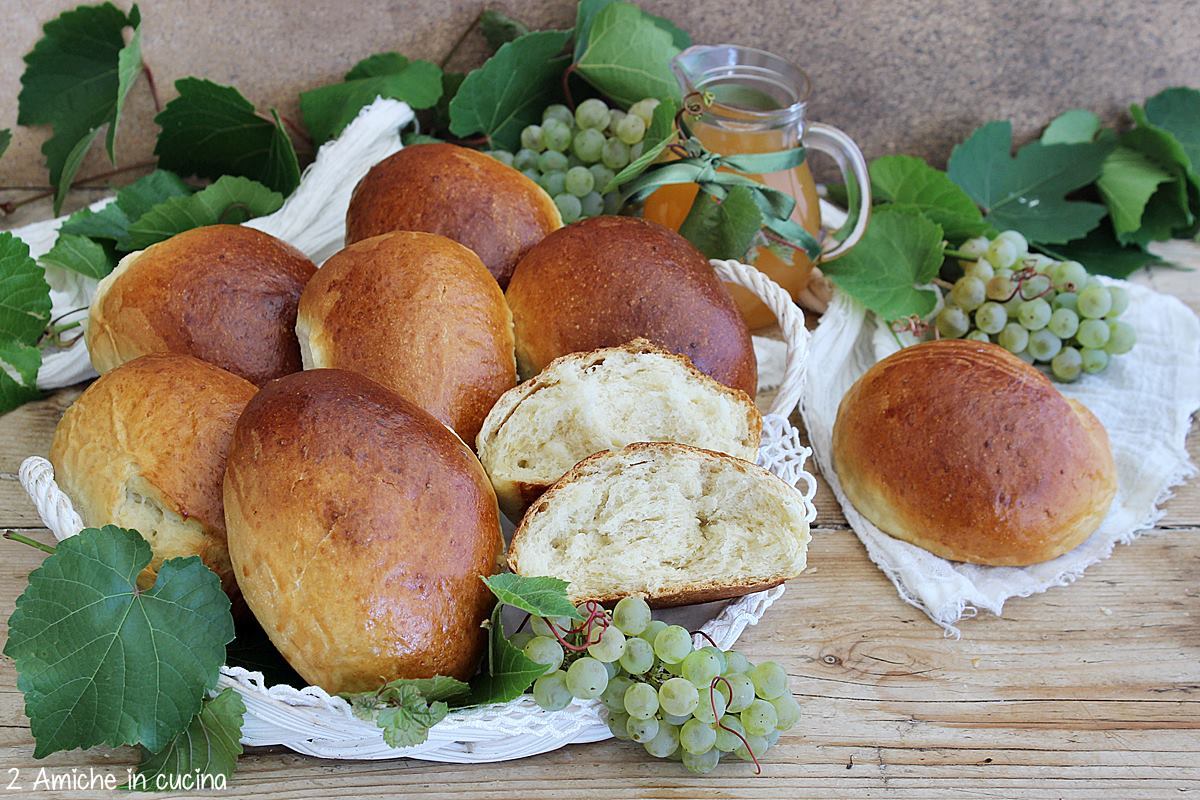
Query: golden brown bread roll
<point>144,447</point>
<point>225,294</point>
<point>418,313</point>
<point>359,527</point>
<point>604,281</point>
<point>459,193</point>
<point>965,450</point>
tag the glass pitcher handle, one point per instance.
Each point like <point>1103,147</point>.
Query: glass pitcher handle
<point>842,149</point>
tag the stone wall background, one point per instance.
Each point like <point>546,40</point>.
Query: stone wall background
<point>912,76</point>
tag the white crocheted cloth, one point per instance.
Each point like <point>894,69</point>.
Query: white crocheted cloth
<point>1145,400</point>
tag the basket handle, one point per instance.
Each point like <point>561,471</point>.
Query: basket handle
<point>791,322</point>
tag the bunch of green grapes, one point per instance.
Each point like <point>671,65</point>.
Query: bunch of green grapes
<point>678,702</point>
<point>1044,311</point>
<point>573,156</point>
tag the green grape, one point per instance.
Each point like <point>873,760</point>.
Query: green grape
<point>544,650</point>
<point>701,764</point>
<point>674,719</point>
<point>613,696</point>
<point>631,129</point>
<point>541,626</point>
<point>588,145</point>
<point>952,322</point>
<point>587,678</point>
<point>769,679</point>
<point>608,646</point>
<point>533,175</point>
<point>642,730</point>
<point>787,712</point>
<point>612,668</point>
<point>568,206</point>
<point>1017,240</point>
<point>739,693</point>
<point>1002,253</point>
<point>978,336</point>
<point>1093,334</point>
<point>592,113</point>
<point>556,136</point>
<point>981,269</point>
<point>672,644</point>
<point>975,248</point>
<point>736,662</point>
<point>579,181</point>
<point>665,742</point>
<point>638,657</point>
<point>968,293</point>
<point>618,724</point>
<point>771,738</point>
<point>727,740</point>
<point>678,696</point>
<point>1120,301</point>
<point>1067,365</point>
<point>1013,338</point>
<point>503,156</point>
<point>718,654</point>
<point>1043,345</point>
<point>1121,338</point>
<point>552,161</point>
<point>614,154</point>
<point>758,746</point>
<point>1001,287</point>
<point>531,138</point>
<point>1034,314</point>
<point>613,203</point>
<point>1063,323</point>
<point>759,718</point>
<point>1093,361</point>
<point>525,159</point>
<point>591,204</point>
<point>701,667</point>
<point>574,161</point>
<point>550,691</point>
<point>1067,300</point>
<point>1035,286</point>
<point>1094,302</point>
<point>553,182</point>
<point>641,701</point>
<point>644,109</point>
<point>710,701</point>
<point>559,112</point>
<point>519,640</point>
<point>675,669</point>
<point>1069,276</point>
<point>614,119</point>
<point>652,630</point>
<point>636,149</point>
<point>631,615</point>
<point>696,737</point>
<point>991,317</point>
<point>1024,356</point>
<point>1039,262</point>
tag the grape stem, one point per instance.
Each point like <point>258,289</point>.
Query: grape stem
<point>595,615</point>
<point>712,699</point>
<point>566,87</point>
<point>34,543</point>
<point>706,636</point>
<point>952,253</point>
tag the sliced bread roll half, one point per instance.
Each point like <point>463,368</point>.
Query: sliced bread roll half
<point>605,399</point>
<point>676,524</point>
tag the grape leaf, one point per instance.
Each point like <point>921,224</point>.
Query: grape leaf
<point>208,746</point>
<point>1072,127</point>
<point>24,293</point>
<point>1102,254</point>
<point>1026,193</point>
<point>76,80</point>
<point>231,200</point>
<point>19,365</point>
<point>628,56</point>
<point>101,661</point>
<point>211,130</point>
<point>723,228</point>
<point>508,672</point>
<point>542,597</point>
<point>660,134</point>
<point>908,180</point>
<point>586,14</point>
<point>901,250</point>
<point>79,254</point>
<point>112,221</point>
<point>510,90</point>
<point>1128,179</point>
<point>407,716</point>
<point>329,109</point>
<point>5,139</point>
<point>1177,112</point>
<point>451,81</point>
<point>499,28</point>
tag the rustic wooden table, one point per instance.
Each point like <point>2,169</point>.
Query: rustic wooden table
<point>1087,690</point>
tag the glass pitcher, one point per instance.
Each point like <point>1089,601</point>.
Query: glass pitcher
<point>759,102</point>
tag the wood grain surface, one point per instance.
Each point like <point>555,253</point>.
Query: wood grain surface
<point>1088,690</point>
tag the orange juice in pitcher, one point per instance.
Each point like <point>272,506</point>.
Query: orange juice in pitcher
<point>758,106</point>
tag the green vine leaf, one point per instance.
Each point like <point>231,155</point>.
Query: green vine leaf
<point>508,671</point>
<point>510,90</point>
<point>5,139</point>
<point>24,314</point>
<point>499,29</point>
<point>76,80</point>
<point>540,596</point>
<point>101,661</point>
<point>901,251</point>
<point>329,109</point>
<point>1027,193</point>
<point>723,228</point>
<point>79,254</point>
<point>628,56</point>
<point>1176,112</point>
<point>1102,254</point>
<point>111,223</point>
<point>19,365</point>
<point>231,200</point>
<point>907,180</point>
<point>211,130</point>
<point>209,746</point>
<point>1072,127</point>
<point>407,708</point>
<point>1128,179</point>
<point>586,14</point>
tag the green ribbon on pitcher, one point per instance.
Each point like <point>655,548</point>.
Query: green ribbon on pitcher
<point>704,169</point>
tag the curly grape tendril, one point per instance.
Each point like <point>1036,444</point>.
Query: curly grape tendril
<point>596,614</point>
<point>712,699</point>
